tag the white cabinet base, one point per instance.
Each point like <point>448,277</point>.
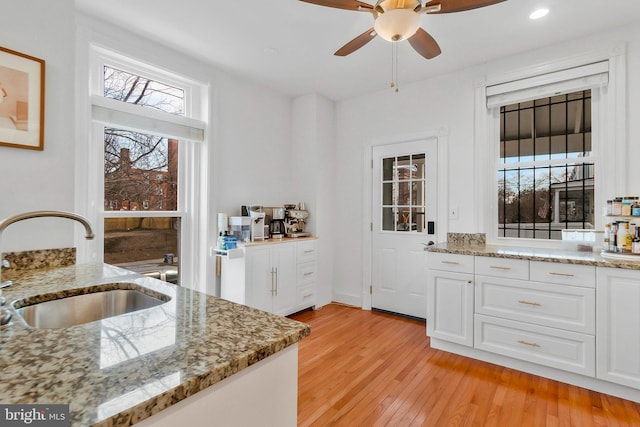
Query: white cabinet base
<point>543,371</point>
<point>264,394</point>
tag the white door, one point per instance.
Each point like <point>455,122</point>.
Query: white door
<point>404,196</point>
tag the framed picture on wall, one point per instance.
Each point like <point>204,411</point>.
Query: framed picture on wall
<point>21,100</point>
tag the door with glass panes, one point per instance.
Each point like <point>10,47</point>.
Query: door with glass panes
<point>404,211</point>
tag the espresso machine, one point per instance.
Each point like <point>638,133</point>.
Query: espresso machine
<point>294,221</point>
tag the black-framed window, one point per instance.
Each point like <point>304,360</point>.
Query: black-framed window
<point>546,171</point>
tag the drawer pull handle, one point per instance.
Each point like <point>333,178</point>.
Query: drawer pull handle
<point>470,282</point>
<point>309,251</point>
<point>450,262</point>
<point>307,295</point>
<point>530,344</point>
<point>497,267</point>
<point>561,274</point>
<point>537,304</point>
<point>309,273</point>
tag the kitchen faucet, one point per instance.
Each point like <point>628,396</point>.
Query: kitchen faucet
<point>5,316</point>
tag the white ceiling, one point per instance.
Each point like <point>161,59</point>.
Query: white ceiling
<point>288,45</point>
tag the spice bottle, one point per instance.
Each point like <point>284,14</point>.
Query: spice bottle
<point>606,240</point>
<point>624,239</point>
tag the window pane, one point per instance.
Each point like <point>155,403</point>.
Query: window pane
<point>388,219</point>
<point>418,219</point>
<point>144,245</point>
<point>417,166</point>
<point>388,168</point>
<point>417,193</point>
<point>140,171</point>
<point>404,194</point>
<point>404,220</point>
<point>134,89</point>
<point>387,193</point>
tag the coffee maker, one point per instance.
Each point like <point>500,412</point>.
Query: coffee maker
<point>276,225</point>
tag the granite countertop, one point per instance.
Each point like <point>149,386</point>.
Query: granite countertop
<point>275,241</point>
<point>120,370</point>
<point>564,256</point>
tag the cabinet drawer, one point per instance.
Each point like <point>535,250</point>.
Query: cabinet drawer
<point>563,274</point>
<point>450,262</point>
<point>503,267</point>
<point>307,251</point>
<point>569,351</point>
<point>566,307</point>
<point>307,272</point>
<point>306,296</point>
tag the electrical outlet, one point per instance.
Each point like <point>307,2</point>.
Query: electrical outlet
<point>453,213</point>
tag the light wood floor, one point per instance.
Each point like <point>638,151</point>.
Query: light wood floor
<point>362,368</point>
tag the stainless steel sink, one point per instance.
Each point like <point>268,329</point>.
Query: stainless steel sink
<point>88,307</point>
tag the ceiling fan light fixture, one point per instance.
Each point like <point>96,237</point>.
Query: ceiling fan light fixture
<point>397,24</point>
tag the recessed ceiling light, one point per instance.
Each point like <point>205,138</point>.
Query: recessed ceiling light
<point>540,13</point>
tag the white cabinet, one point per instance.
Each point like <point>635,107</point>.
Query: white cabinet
<point>546,304</point>
<point>574,323</point>
<point>618,326</point>
<point>549,323</point>
<point>450,298</point>
<point>271,275</point>
<point>276,277</point>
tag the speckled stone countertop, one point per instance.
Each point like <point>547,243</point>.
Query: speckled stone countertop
<point>276,241</point>
<point>535,254</point>
<point>120,370</point>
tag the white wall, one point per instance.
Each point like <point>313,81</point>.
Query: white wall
<point>249,148</point>
<point>35,180</point>
<point>445,101</point>
<point>313,150</point>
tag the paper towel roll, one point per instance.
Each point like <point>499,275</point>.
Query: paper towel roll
<point>223,222</point>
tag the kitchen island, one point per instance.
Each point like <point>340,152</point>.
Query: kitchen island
<point>130,368</point>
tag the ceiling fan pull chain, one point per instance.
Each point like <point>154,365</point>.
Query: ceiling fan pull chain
<point>394,66</point>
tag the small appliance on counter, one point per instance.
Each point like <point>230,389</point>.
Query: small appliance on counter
<point>240,228</point>
<point>276,225</point>
<point>257,224</point>
<point>294,221</point>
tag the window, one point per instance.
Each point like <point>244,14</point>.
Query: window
<point>146,123</point>
<point>546,169</point>
<point>522,188</point>
<point>403,193</point>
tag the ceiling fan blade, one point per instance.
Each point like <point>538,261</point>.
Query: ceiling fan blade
<point>341,4</point>
<point>449,6</point>
<point>424,44</point>
<point>356,43</point>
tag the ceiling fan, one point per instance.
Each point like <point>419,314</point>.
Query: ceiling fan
<point>397,20</point>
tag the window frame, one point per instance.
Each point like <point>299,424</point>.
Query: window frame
<point>144,120</point>
<point>608,124</point>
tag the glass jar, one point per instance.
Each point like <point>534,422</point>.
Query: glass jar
<point>616,208</point>
<point>627,202</point>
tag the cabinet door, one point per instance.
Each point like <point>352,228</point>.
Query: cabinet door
<point>260,280</point>
<point>450,306</point>
<point>283,259</point>
<point>617,326</point>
